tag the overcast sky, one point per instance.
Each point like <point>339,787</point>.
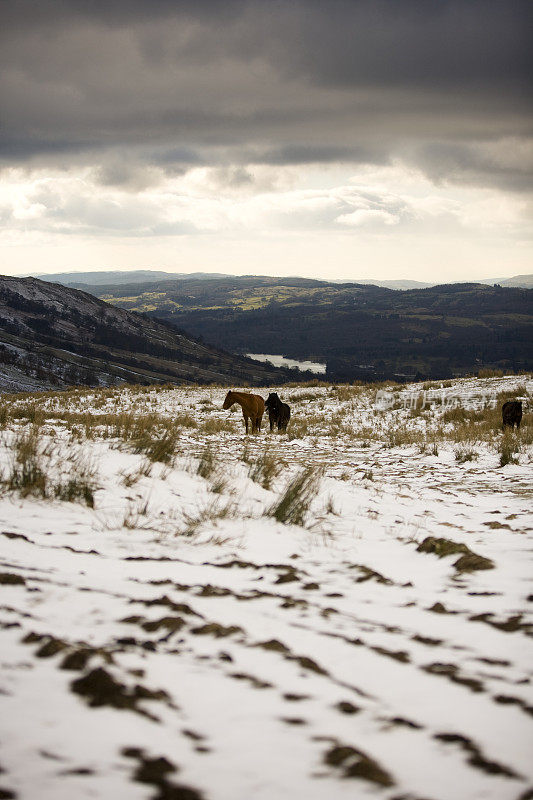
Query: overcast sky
<point>324,138</point>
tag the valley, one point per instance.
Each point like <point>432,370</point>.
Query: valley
<point>361,332</point>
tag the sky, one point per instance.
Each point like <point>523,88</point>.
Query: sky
<point>345,139</point>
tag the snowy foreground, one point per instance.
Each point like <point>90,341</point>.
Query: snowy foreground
<point>180,640</point>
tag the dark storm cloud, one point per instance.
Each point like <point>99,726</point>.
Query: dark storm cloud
<point>180,83</point>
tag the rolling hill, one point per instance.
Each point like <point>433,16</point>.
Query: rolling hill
<point>361,331</point>
<point>81,280</point>
<point>52,336</point>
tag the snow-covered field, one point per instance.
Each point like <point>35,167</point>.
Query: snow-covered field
<point>191,636</point>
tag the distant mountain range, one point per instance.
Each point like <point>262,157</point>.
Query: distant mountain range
<point>52,336</point>
<point>361,331</point>
<point>119,277</point>
<point>518,281</point>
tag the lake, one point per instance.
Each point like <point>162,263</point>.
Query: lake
<point>281,361</point>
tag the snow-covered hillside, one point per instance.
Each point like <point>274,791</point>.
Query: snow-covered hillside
<point>341,612</point>
<point>54,337</point>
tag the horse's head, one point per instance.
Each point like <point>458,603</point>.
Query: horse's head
<point>272,400</point>
<point>228,402</point>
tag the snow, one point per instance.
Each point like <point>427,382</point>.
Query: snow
<point>260,646</point>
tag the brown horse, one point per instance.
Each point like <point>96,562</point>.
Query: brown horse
<point>253,408</point>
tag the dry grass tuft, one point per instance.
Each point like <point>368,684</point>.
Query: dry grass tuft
<point>214,425</point>
<point>28,475</point>
<point>266,468</point>
<point>463,454</point>
<point>209,514</point>
<point>159,449</point>
<point>509,446</point>
<point>41,471</point>
<point>293,505</point>
<point>490,373</point>
<point>298,428</point>
<point>80,483</point>
<point>207,465</point>
<point>346,392</point>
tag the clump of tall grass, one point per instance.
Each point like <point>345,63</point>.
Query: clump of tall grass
<point>337,425</point>
<point>215,425</point>
<point>135,516</point>
<point>157,446</point>
<point>508,448</point>
<point>306,397</point>
<point>212,512</point>
<point>418,409</point>
<point>28,475</point>
<point>144,470</point>
<point>306,424</point>
<point>266,468</point>
<point>293,505</point>
<point>246,454</point>
<point>207,464</point>
<point>4,416</point>
<point>299,428</point>
<point>80,484</point>
<point>460,415</point>
<point>396,437</point>
<point>463,454</point>
<point>29,412</point>
<point>346,392</point>
<point>40,471</point>
<point>184,420</point>
<point>219,483</point>
<point>486,372</point>
<point>151,434</point>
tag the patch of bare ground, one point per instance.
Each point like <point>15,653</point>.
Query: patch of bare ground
<point>475,756</point>
<point>155,771</point>
<point>354,763</point>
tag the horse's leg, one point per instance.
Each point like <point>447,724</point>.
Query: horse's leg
<point>245,420</point>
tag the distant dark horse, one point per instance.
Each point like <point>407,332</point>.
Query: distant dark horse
<point>511,414</point>
<point>253,408</point>
<point>278,413</point>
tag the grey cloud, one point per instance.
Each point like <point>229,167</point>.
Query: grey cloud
<point>465,163</point>
<point>299,153</point>
<point>127,174</point>
<point>478,44</point>
<point>172,84</point>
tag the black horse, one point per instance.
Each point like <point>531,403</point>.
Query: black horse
<point>512,414</point>
<point>278,413</point>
